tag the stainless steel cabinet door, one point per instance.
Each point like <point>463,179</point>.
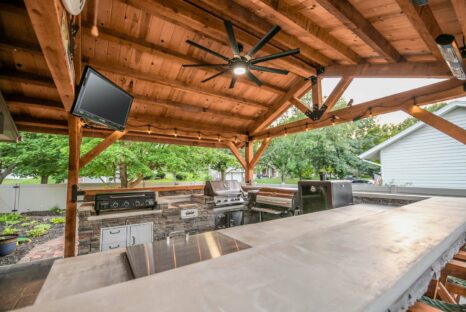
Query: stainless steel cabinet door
<point>140,234</point>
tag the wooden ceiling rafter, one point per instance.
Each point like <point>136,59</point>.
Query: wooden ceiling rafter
<point>356,22</point>
<point>247,20</point>
<point>423,20</point>
<point>437,122</point>
<point>430,94</point>
<point>198,20</point>
<point>459,7</point>
<point>336,94</point>
<point>282,14</point>
<point>165,53</point>
<point>392,70</point>
<point>47,17</point>
<point>280,105</point>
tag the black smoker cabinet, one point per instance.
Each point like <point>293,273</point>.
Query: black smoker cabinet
<point>322,195</point>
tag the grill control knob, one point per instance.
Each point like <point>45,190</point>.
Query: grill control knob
<point>137,203</point>
<point>126,204</point>
<point>115,204</point>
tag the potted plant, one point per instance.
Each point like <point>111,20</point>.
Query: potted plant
<point>7,244</point>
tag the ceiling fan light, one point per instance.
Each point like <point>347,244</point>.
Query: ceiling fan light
<point>239,69</point>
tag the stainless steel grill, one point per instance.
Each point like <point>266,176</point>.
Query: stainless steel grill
<point>228,201</point>
<point>273,203</point>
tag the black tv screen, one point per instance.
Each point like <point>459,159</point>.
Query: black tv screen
<point>101,101</point>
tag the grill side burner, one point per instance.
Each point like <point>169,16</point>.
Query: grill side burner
<point>228,200</point>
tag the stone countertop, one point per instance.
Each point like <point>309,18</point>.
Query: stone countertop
<point>364,264</point>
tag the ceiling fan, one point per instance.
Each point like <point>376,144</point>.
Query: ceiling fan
<point>243,64</point>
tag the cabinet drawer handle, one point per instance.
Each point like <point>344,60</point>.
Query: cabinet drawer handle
<point>110,247</point>
<point>116,232</point>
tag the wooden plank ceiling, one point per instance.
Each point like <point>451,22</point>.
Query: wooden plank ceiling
<point>141,47</point>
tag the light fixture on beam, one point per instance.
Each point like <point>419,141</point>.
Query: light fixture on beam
<point>452,55</point>
<point>239,68</point>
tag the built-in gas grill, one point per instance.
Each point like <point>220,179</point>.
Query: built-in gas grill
<point>228,201</point>
<point>271,203</point>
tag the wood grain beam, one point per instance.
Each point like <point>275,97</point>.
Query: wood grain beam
<point>459,7</point>
<point>47,17</point>
<point>27,101</point>
<point>356,22</point>
<point>316,93</point>
<point>174,84</point>
<point>279,106</point>
<point>248,154</point>
<point>20,46</point>
<point>336,94</point>
<point>295,23</point>
<point>430,94</point>
<point>74,134</point>
<point>437,122</point>
<point>247,20</point>
<point>196,19</point>
<point>265,143</point>
<point>393,70</point>
<point>423,20</point>
<point>27,78</point>
<point>300,105</point>
<point>237,154</point>
<point>99,148</point>
<point>167,54</point>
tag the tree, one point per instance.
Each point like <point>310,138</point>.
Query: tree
<point>220,160</point>
<point>36,155</point>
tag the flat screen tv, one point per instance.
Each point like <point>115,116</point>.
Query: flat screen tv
<point>101,101</point>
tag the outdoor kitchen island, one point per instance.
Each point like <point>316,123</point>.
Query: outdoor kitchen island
<point>337,260</point>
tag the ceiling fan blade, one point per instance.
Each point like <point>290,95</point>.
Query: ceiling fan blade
<point>207,50</point>
<point>274,56</point>
<point>231,38</point>
<point>216,75</point>
<point>233,81</point>
<point>204,65</point>
<point>254,78</point>
<point>272,32</point>
<point>269,69</point>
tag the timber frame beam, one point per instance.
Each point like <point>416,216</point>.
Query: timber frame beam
<point>48,17</point>
<point>99,148</point>
<point>441,91</point>
<point>437,122</point>
<point>250,160</point>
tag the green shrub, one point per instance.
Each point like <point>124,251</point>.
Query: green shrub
<point>181,176</point>
<point>22,240</point>
<point>39,230</point>
<point>27,224</point>
<point>8,223</point>
<point>160,175</point>
<point>9,231</point>
<point>57,220</point>
<point>57,210</point>
<point>9,217</point>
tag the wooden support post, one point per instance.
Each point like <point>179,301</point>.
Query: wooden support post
<point>316,91</point>
<point>74,130</point>
<point>237,154</point>
<point>99,148</point>
<point>300,105</point>
<point>437,122</point>
<point>249,173</point>
<point>259,153</point>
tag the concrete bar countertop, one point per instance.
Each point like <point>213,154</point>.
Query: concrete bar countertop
<point>363,263</point>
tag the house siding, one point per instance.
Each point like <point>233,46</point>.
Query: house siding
<point>427,157</point>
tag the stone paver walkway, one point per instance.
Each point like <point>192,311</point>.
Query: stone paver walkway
<point>51,249</point>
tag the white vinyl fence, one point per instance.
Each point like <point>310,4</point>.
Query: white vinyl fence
<point>24,198</point>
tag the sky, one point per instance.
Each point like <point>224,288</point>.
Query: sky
<point>366,89</point>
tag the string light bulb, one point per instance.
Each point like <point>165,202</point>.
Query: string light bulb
<point>333,120</point>
<point>307,127</point>
<point>148,129</point>
<point>175,133</point>
<point>199,136</point>
<point>370,112</point>
<point>236,139</point>
<point>286,132</point>
<point>218,137</point>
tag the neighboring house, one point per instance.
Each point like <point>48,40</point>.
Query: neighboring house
<point>422,156</point>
